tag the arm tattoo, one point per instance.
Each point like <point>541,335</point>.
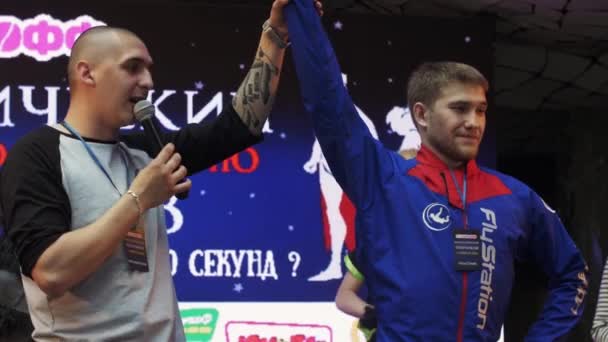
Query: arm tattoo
<point>255,97</point>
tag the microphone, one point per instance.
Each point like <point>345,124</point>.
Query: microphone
<point>144,114</point>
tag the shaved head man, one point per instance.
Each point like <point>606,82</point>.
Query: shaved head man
<point>82,202</point>
<point>108,70</point>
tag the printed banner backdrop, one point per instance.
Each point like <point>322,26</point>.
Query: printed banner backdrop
<point>263,321</point>
<point>266,225</point>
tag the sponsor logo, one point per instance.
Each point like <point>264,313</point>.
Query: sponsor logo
<point>581,292</point>
<point>199,323</point>
<point>436,216</point>
<point>488,255</point>
<point>277,332</point>
<point>42,37</point>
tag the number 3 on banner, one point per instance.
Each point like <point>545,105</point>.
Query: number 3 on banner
<point>176,216</point>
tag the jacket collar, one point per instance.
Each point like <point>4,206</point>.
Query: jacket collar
<point>428,158</point>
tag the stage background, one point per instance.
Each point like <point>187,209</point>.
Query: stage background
<point>252,233</point>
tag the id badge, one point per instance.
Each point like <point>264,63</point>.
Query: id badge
<point>467,249</point>
<point>135,247</point>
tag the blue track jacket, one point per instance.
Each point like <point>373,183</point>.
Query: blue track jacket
<point>408,211</point>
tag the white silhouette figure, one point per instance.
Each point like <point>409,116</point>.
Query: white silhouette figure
<point>400,121</point>
<point>437,217</point>
<point>332,194</point>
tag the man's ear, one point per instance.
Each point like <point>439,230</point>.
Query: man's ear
<point>84,74</point>
<point>420,115</point>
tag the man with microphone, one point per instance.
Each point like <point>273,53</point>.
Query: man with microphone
<point>82,203</point>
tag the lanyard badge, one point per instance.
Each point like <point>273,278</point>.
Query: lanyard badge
<point>135,240</point>
<point>467,244</point>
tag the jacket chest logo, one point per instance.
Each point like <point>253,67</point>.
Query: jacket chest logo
<point>436,217</point>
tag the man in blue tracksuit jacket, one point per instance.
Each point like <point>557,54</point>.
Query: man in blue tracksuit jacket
<point>440,233</point>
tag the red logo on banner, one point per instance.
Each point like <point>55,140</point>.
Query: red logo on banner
<point>238,162</point>
<point>277,332</point>
<point>292,338</point>
<point>3,154</point>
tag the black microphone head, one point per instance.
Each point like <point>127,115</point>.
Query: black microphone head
<point>143,109</point>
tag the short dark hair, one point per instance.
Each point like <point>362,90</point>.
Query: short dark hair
<point>428,79</point>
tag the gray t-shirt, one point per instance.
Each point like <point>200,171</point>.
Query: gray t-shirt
<point>50,185</point>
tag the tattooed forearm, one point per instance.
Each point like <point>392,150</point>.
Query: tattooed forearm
<point>255,97</point>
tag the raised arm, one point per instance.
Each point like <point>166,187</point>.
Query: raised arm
<point>255,97</point>
<point>357,160</point>
<point>240,125</point>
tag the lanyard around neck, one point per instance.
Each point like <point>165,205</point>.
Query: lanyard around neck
<point>463,193</point>
<point>94,157</point>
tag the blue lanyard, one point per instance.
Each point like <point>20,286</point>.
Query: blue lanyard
<point>94,157</point>
<point>463,194</point>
